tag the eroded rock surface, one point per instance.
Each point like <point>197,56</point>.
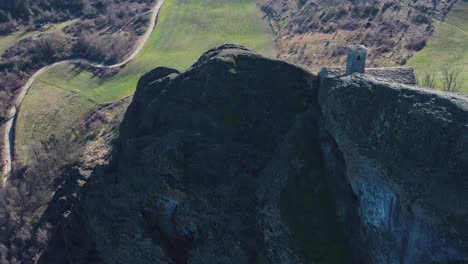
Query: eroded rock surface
<point>244,159</point>
<point>400,155</point>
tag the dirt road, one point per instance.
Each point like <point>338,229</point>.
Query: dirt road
<point>9,126</point>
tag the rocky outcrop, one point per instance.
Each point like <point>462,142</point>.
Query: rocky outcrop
<point>399,154</point>
<point>203,158</point>
<point>244,159</point>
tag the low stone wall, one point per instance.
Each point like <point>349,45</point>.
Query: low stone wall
<point>403,75</point>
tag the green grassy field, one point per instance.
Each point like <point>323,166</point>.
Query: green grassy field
<point>185,30</point>
<point>51,116</point>
<point>448,47</point>
<point>13,38</point>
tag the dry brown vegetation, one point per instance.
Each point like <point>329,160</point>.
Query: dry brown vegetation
<point>23,232</point>
<point>37,197</point>
<point>17,13</point>
<point>29,206</point>
<point>105,33</point>
<point>315,32</point>
<point>103,48</point>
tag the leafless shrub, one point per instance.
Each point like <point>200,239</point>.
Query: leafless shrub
<point>452,79</point>
<point>11,80</point>
<point>8,27</point>
<point>51,47</point>
<point>416,44</point>
<point>348,24</point>
<point>419,18</point>
<point>383,49</point>
<point>340,51</point>
<point>29,190</point>
<point>51,155</point>
<point>386,6</point>
<point>140,24</point>
<point>428,79</point>
<point>43,235</point>
<point>88,10</point>
<point>105,48</point>
<point>388,27</point>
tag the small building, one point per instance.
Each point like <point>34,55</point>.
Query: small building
<point>356,63</point>
<point>356,59</point>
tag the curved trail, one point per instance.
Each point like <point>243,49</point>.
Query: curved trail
<point>452,25</point>
<point>8,126</point>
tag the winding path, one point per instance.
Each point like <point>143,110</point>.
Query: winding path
<point>9,125</point>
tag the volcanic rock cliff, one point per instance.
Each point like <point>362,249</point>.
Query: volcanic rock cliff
<point>244,159</point>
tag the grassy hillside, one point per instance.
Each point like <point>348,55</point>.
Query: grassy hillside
<point>48,110</point>
<point>448,47</point>
<point>185,30</point>
<point>458,15</point>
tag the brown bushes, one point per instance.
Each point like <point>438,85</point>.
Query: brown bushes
<point>51,48</point>
<point>103,48</point>
<point>340,51</point>
<point>416,44</point>
<point>419,18</point>
<point>22,203</point>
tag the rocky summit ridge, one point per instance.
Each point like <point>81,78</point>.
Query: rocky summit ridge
<point>245,159</point>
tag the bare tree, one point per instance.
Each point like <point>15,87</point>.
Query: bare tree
<point>50,47</point>
<point>103,48</point>
<point>30,189</point>
<point>428,80</point>
<point>51,155</point>
<point>451,79</point>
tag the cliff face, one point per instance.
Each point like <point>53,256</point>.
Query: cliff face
<point>244,159</point>
<point>401,154</point>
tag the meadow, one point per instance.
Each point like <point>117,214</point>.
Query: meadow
<point>185,29</point>
<point>447,47</point>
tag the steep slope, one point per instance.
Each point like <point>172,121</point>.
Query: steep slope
<point>316,32</point>
<point>204,156</point>
<point>397,159</point>
<point>244,159</point>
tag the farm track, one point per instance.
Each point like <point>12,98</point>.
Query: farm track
<point>9,126</point>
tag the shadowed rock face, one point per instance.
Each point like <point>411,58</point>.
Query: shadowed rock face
<point>402,153</point>
<point>244,159</point>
